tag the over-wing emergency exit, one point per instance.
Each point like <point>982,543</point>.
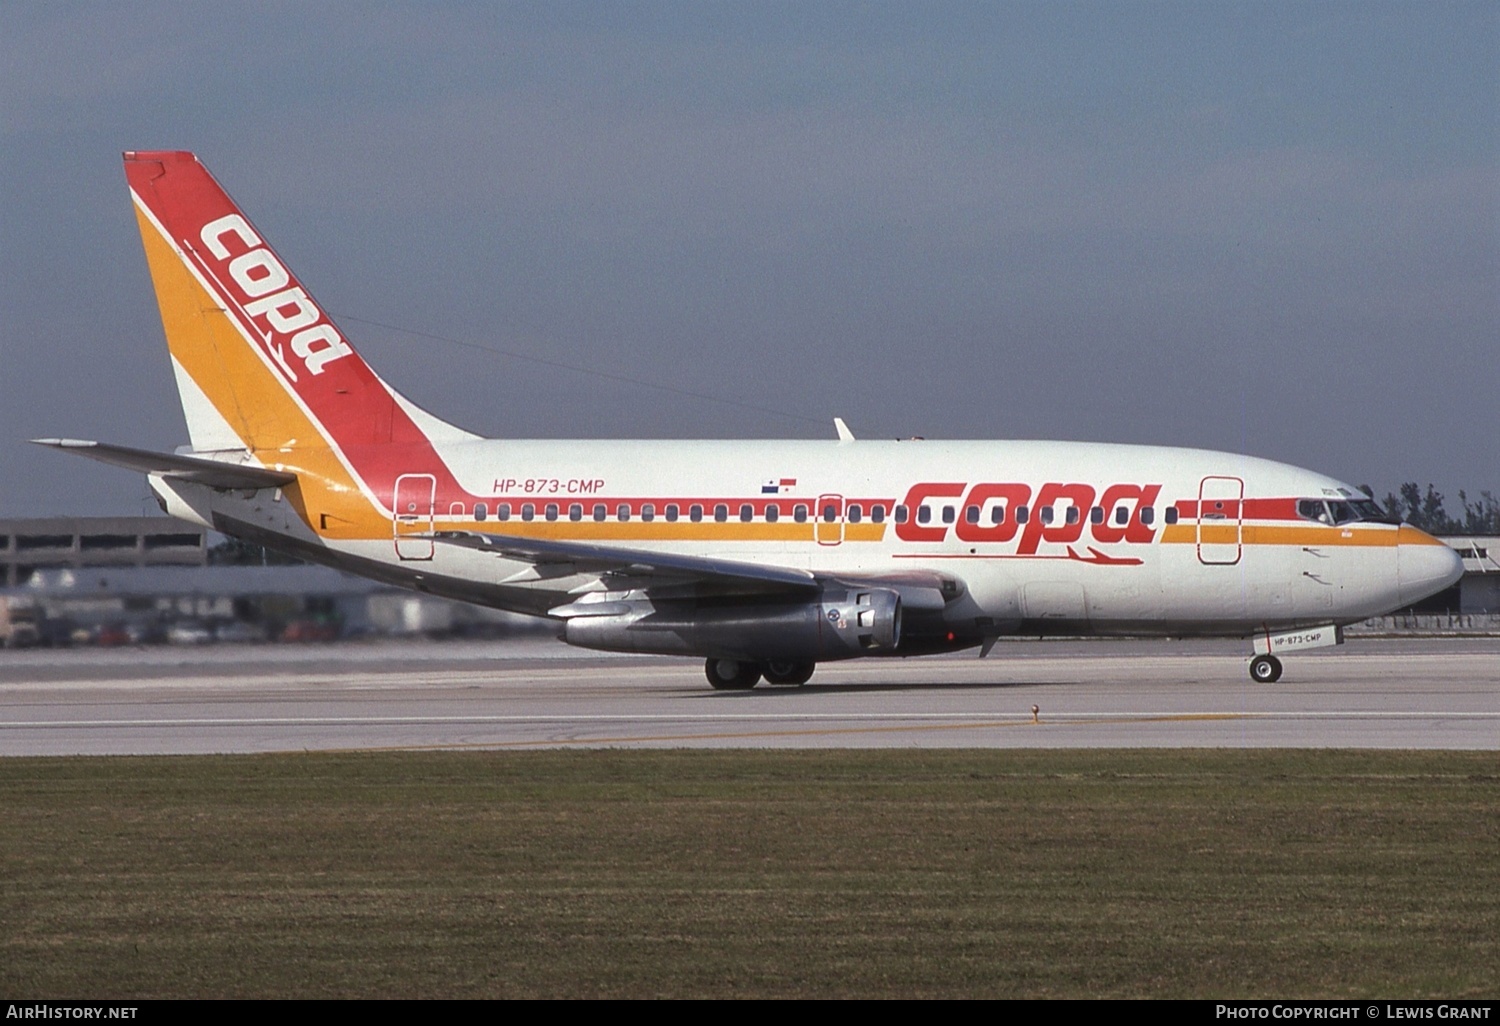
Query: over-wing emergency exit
<point>762,558</point>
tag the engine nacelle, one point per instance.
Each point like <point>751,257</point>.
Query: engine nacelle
<point>841,624</point>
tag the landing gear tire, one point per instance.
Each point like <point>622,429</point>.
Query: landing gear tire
<point>1265,669</point>
<point>792,674</point>
<point>731,674</point>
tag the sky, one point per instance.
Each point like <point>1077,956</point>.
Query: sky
<point>1263,227</point>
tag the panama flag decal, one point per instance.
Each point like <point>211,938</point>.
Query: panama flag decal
<point>777,485</point>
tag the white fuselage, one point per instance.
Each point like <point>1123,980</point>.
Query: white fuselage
<point>1155,561</point>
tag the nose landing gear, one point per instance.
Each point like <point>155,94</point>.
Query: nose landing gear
<point>1265,669</point>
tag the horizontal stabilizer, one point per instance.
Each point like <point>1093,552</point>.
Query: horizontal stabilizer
<point>183,468</point>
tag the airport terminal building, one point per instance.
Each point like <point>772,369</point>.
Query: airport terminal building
<point>62,543</point>
<point>1478,593</point>
<point>155,578</point>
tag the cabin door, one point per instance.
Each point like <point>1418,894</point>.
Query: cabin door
<point>412,517</point>
<point>1220,521</point>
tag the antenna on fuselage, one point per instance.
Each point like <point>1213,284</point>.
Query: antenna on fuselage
<point>845,435</point>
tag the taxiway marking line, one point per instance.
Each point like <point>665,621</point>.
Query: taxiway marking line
<point>828,732</point>
<point>972,719</point>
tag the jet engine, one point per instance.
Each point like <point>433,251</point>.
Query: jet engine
<point>841,623</point>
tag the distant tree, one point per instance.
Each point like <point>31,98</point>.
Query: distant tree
<point>1482,516</point>
<point>1425,510</point>
<point>1392,505</point>
<point>1433,513</point>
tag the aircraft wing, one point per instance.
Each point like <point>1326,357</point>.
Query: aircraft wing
<point>187,468</point>
<point>621,569</point>
<point>625,568</point>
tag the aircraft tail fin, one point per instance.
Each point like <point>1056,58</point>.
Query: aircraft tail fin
<point>259,365</point>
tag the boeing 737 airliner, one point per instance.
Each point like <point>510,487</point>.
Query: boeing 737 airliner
<point>763,558</point>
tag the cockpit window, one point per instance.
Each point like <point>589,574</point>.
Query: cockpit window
<point>1313,509</point>
<point>1371,511</point>
<point>1341,511</point>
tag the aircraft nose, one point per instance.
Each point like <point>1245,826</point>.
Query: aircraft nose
<point>1424,565</point>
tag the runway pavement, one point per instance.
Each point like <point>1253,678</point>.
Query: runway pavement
<point>535,692</point>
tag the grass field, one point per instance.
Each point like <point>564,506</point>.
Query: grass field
<point>701,873</point>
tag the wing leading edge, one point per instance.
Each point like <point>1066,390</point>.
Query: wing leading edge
<point>626,568</point>
<point>623,569</point>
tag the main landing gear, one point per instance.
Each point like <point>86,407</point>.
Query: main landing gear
<point>732,675</point>
<point>735,675</point>
<point>1265,669</point>
<point>793,674</point>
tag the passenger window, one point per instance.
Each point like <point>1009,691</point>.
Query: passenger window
<point>1171,514</point>
<point>1122,515</point>
<point>528,512</point>
<point>948,514</point>
<point>551,511</point>
<point>901,514</point>
<point>481,511</point>
<point>648,512</point>
<point>997,514</point>
<point>502,511</point>
<point>1072,515</point>
<point>1046,514</point>
<point>599,511</point>
<point>830,513</point>
<point>877,513</point>
<point>721,512</point>
<point>1148,515</point>
<point>747,512</point>
<point>924,514</point>
<point>622,511</point>
<point>575,512</point>
<point>671,512</point>
<point>855,513</point>
<point>1096,515</point>
<point>799,513</point>
<point>1022,514</point>
<point>695,513</point>
<point>773,513</point>
<point>971,514</point>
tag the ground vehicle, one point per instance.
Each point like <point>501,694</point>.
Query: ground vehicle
<point>20,623</point>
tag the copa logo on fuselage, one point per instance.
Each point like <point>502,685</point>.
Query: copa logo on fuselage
<point>268,297</point>
<point>1021,512</point>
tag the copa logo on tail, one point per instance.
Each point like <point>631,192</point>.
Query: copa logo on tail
<point>268,296</point>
